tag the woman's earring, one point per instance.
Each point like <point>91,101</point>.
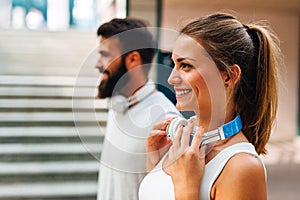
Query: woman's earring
<point>226,85</point>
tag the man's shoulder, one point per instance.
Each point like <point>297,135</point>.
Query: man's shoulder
<point>161,98</point>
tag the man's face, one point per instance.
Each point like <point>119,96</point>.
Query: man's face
<point>111,64</point>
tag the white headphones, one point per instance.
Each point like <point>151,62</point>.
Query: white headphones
<point>121,104</point>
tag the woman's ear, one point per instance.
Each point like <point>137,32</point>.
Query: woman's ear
<point>236,72</point>
<point>132,60</point>
<point>233,77</point>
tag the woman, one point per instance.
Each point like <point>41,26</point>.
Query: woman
<point>223,70</point>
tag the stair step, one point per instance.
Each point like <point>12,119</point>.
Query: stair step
<point>48,171</point>
<point>63,148</point>
<point>58,190</point>
<point>49,157</point>
<point>51,134</point>
<point>16,69</point>
<point>14,80</point>
<point>43,139</point>
<point>53,104</point>
<point>49,152</point>
<point>52,116</point>
<point>51,131</point>
<point>48,167</point>
<point>47,92</point>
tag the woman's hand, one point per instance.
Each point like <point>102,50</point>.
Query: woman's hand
<point>187,162</point>
<point>157,145</point>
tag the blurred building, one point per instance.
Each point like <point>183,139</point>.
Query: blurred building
<point>57,15</point>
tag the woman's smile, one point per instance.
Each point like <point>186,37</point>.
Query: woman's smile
<point>181,93</point>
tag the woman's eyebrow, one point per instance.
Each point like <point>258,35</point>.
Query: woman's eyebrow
<point>183,59</point>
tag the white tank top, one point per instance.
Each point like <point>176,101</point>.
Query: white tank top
<point>158,185</point>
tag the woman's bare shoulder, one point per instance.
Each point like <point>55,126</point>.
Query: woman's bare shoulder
<point>243,177</point>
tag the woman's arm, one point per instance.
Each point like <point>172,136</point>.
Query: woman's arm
<point>243,178</point>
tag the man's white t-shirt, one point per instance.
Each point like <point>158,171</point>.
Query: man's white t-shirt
<point>123,158</point>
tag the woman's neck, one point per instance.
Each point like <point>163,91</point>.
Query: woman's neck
<point>211,122</point>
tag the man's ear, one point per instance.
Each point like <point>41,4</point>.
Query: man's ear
<point>231,79</point>
<point>132,60</point>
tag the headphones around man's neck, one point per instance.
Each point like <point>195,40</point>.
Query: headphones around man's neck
<point>121,104</point>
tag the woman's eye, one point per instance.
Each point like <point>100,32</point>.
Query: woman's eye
<point>185,66</point>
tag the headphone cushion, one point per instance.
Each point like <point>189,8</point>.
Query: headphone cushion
<point>119,103</point>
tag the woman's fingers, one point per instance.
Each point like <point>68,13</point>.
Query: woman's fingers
<point>156,140</point>
<point>187,131</point>
<point>196,142</point>
<point>158,126</point>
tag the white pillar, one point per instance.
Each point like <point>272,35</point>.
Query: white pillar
<point>5,13</point>
<point>58,15</point>
<point>121,8</point>
<point>18,17</point>
<point>105,11</point>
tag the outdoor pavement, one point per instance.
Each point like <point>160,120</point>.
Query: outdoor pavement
<point>283,168</point>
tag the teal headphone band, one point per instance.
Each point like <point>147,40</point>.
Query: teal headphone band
<point>221,133</point>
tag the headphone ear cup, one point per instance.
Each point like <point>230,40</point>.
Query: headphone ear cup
<point>119,103</point>
<point>174,124</point>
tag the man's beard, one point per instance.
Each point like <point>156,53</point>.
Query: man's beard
<point>108,87</point>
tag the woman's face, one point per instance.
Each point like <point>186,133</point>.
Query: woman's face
<point>195,78</point>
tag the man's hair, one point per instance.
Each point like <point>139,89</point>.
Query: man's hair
<point>133,35</point>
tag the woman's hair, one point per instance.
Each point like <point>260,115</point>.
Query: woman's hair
<point>255,49</point>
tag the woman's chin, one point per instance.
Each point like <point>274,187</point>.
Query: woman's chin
<point>178,106</point>
<point>182,107</point>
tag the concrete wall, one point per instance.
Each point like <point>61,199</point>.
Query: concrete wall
<point>285,21</point>
<point>144,9</point>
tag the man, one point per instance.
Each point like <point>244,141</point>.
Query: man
<point>126,51</point>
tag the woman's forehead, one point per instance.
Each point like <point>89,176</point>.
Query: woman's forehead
<point>187,47</point>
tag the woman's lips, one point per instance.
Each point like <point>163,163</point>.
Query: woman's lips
<point>180,93</point>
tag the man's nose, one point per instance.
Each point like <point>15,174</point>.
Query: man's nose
<point>100,66</point>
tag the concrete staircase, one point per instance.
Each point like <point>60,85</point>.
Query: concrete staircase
<point>51,126</point>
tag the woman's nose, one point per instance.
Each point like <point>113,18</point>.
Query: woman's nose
<point>174,77</point>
